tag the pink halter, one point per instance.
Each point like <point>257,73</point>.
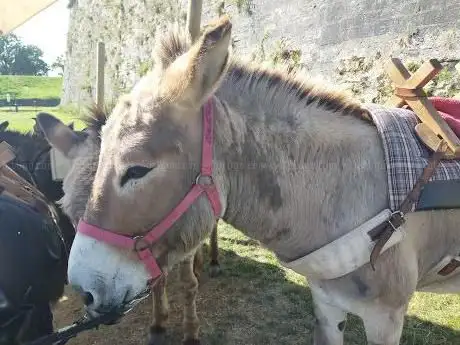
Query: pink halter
<point>203,183</point>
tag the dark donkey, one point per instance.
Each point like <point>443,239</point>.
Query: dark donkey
<point>33,246</point>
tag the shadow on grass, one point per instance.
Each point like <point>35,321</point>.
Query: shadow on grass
<point>255,303</point>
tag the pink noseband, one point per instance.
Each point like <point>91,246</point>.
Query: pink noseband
<point>204,183</point>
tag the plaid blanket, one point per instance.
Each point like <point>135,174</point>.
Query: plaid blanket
<point>405,155</point>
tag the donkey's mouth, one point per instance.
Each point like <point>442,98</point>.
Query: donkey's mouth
<point>114,315</point>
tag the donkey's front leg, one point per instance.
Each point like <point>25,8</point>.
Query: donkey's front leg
<point>198,262</point>
<point>189,281</point>
<point>214,266</point>
<point>383,326</point>
<point>330,322</point>
<point>160,312</point>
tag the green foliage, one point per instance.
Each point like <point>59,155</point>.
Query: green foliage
<point>444,75</point>
<point>220,8</point>
<point>30,86</point>
<point>413,66</point>
<point>260,54</point>
<point>283,54</point>
<point>244,6</point>
<point>445,84</point>
<point>59,64</point>
<point>17,58</point>
<point>144,67</point>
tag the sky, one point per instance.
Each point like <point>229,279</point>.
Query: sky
<point>48,31</point>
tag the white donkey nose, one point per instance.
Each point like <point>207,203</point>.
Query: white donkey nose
<point>104,275</point>
<point>93,297</point>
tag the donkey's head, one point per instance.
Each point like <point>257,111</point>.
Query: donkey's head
<point>149,160</point>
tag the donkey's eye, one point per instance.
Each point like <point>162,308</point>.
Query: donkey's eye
<point>135,172</point>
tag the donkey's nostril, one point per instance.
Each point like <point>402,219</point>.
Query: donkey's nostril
<point>88,298</point>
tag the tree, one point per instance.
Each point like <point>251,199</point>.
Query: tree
<point>9,45</point>
<point>17,58</point>
<point>59,64</point>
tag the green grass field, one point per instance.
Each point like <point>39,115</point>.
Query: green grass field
<point>23,119</point>
<point>24,86</point>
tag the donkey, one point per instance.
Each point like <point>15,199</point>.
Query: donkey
<point>77,187</point>
<point>32,162</point>
<point>33,248</point>
<point>291,164</point>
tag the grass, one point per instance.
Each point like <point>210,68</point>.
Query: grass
<point>30,86</point>
<point>254,301</point>
<point>22,120</point>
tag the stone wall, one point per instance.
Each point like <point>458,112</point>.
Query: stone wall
<point>344,42</point>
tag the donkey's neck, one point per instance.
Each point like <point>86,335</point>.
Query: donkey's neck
<point>296,176</point>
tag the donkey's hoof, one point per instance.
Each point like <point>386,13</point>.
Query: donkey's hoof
<point>191,342</point>
<point>214,270</point>
<point>157,335</point>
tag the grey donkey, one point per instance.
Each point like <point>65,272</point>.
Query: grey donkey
<point>296,167</point>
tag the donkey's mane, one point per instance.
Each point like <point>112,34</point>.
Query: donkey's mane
<point>95,118</point>
<point>176,41</point>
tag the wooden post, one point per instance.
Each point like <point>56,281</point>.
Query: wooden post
<point>100,64</point>
<point>194,18</point>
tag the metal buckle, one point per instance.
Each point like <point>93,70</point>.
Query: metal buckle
<point>204,180</point>
<point>398,213</point>
<point>140,244</point>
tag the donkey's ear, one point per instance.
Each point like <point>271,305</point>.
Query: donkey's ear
<point>4,126</point>
<point>60,136</point>
<point>195,75</point>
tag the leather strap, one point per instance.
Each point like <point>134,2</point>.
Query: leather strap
<point>449,268</point>
<point>397,218</point>
<point>410,93</point>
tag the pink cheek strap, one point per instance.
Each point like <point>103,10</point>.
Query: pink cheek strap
<point>121,241</point>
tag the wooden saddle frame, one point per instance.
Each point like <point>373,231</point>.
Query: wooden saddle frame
<point>433,129</point>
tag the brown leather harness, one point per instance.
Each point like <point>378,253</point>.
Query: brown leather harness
<point>382,233</point>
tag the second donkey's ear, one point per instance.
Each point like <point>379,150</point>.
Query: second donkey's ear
<point>195,75</point>
<point>4,126</point>
<point>60,136</point>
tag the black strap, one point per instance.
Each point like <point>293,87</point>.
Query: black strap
<point>63,335</point>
